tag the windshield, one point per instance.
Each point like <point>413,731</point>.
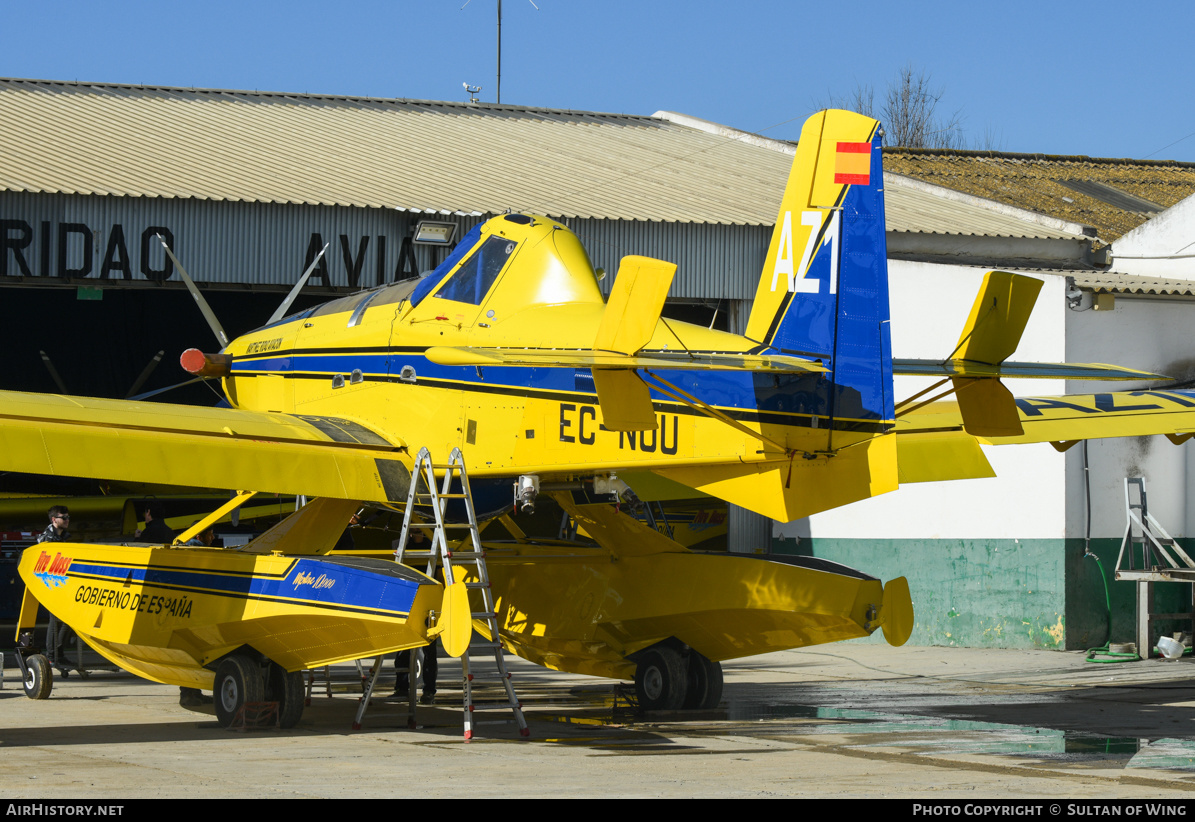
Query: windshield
<point>473,279</point>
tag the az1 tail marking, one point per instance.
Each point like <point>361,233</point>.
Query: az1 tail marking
<point>784,253</point>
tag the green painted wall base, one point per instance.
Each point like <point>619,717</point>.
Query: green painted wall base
<point>1003,593</point>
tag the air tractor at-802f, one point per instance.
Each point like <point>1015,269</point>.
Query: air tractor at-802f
<point>508,352</point>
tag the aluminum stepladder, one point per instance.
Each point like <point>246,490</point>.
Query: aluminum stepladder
<point>1162,560</point>
<point>458,564</point>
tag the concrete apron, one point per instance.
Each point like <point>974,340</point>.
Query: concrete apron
<point>851,719</point>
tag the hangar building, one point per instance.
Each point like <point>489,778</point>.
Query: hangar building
<point>247,186</point>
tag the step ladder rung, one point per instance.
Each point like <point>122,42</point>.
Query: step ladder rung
<point>495,721</point>
<point>426,496</point>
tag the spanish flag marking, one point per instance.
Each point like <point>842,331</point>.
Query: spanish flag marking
<point>852,165</point>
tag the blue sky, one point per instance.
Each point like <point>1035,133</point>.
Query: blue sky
<point>1054,77</point>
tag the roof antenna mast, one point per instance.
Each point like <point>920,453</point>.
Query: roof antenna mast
<point>499,91</point>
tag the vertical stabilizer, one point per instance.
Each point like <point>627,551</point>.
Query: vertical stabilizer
<point>823,291</point>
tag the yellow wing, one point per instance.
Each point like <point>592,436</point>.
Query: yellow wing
<point>208,447</point>
<point>1066,419</point>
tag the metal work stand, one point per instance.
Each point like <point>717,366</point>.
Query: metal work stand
<point>1162,560</point>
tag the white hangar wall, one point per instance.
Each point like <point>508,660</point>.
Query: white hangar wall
<point>1026,499</point>
<point>1151,333</point>
<point>1000,562</point>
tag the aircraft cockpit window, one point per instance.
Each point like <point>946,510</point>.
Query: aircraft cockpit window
<point>429,283</point>
<point>395,293</point>
<point>348,303</point>
<point>473,279</point>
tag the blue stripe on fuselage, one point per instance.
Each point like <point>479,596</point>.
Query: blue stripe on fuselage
<point>743,390</point>
<point>307,580</point>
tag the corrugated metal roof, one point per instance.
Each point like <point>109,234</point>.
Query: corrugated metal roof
<point>1125,284</point>
<point>419,155</point>
<point>1111,195</point>
<point>409,154</point>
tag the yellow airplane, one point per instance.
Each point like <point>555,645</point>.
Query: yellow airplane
<point>508,351</point>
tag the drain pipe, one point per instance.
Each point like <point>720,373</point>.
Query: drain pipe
<point>1104,650</point>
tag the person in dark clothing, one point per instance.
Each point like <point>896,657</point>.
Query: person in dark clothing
<point>402,660</point>
<point>156,530</point>
<point>204,538</point>
<point>193,697</point>
<point>56,531</point>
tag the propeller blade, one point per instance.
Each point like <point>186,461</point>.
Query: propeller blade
<point>208,314</point>
<point>145,372</point>
<point>45,358</point>
<point>157,391</point>
<point>280,312</point>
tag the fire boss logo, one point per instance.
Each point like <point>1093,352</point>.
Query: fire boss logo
<point>52,572</point>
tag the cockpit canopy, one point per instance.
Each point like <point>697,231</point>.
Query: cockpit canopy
<point>537,261</point>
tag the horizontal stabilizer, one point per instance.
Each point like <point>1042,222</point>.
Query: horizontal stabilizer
<point>581,358</point>
<point>1072,417</point>
<point>1020,370</point>
<point>634,306</point>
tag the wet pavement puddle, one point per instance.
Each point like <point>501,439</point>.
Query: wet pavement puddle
<point>745,715</point>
